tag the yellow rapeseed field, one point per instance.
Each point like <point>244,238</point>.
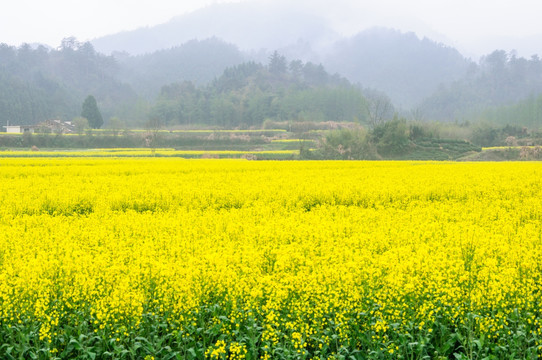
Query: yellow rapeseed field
<point>230,259</point>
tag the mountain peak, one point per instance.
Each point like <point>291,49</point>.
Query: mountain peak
<point>250,26</point>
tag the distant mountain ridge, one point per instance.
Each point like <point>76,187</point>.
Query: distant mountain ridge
<point>197,61</point>
<point>420,76</point>
<point>407,68</point>
<point>249,26</point>
<point>403,66</point>
<point>43,84</point>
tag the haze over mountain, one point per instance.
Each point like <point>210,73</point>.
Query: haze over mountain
<point>250,26</point>
<point>257,24</point>
<point>190,52</point>
<point>374,58</point>
<point>198,61</point>
<point>406,68</point>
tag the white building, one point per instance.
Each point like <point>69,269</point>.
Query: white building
<point>19,129</point>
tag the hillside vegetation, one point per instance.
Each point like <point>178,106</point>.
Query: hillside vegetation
<point>367,79</point>
<point>248,94</point>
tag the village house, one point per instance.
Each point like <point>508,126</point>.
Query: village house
<point>48,126</point>
<point>19,129</point>
<point>56,127</point>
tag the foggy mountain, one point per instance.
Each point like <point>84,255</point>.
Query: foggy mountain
<point>403,66</point>
<point>500,79</point>
<point>250,26</point>
<point>194,50</point>
<point>38,84</point>
<point>525,46</point>
<point>197,61</point>
<point>406,68</point>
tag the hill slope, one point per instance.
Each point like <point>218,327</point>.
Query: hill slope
<point>400,64</point>
<point>197,61</point>
<point>41,84</point>
<point>247,25</point>
<point>407,68</point>
<point>500,79</point>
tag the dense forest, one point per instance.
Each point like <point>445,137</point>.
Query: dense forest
<point>403,66</point>
<point>196,61</point>
<point>248,94</point>
<point>500,80</point>
<point>527,112</point>
<point>212,83</point>
<point>38,84</point>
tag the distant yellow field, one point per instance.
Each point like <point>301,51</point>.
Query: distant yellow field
<point>141,152</point>
<point>237,259</point>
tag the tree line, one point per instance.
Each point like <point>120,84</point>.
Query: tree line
<point>209,83</point>
<point>248,94</point>
<point>497,83</point>
<point>38,83</point>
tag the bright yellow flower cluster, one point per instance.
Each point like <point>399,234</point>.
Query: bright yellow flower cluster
<point>249,257</point>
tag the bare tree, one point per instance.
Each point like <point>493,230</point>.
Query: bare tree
<point>417,115</point>
<point>379,107</point>
<point>153,127</point>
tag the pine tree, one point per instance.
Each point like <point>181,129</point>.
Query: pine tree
<point>92,113</point>
<point>277,63</point>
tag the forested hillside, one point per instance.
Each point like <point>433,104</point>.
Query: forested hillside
<point>500,79</point>
<point>249,25</point>
<point>248,94</point>
<point>211,82</point>
<point>527,112</point>
<point>197,61</point>
<point>403,66</point>
<point>37,84</point>
<point>185,86</point>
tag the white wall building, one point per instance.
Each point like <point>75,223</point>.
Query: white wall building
<point>19,129</point>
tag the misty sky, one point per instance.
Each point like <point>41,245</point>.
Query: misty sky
<point>462,23</point>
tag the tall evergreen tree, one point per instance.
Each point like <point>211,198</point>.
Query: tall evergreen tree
<point>277,63</point>
<point>92,113</point>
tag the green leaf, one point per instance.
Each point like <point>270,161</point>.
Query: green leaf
<point>75,344</point>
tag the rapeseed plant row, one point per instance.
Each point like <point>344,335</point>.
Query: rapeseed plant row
<point>181,259</point>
